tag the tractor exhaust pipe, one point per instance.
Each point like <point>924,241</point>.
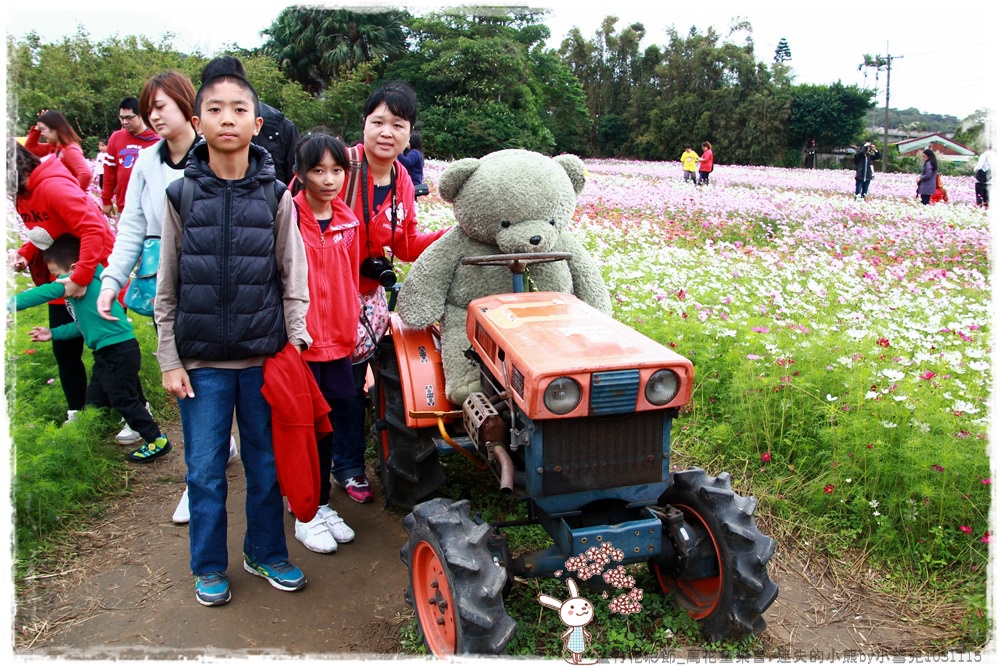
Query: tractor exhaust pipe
<point>506,470</point>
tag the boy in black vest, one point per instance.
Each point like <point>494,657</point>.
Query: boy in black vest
<point>231,291</point>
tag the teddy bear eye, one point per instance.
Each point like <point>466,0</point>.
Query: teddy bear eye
<point>505,223</point>
<point>552,222</point>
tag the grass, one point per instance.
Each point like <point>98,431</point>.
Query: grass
<point>62,474</point>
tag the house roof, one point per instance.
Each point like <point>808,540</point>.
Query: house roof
<point>919,143</point>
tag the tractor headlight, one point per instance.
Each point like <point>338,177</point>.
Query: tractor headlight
<point>662,387</point>
<point>563,395</point>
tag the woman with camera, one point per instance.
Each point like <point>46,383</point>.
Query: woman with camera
<point>384,203</point>
<point>864,168</point>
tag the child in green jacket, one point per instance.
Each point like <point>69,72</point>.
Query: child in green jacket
<point>114,380</point>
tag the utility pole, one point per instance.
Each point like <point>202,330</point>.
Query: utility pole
<point>880,63</point>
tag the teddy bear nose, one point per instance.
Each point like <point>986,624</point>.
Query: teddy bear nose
<point>535,240</point>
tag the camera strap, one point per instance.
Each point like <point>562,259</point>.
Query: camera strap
<point>367,212</point>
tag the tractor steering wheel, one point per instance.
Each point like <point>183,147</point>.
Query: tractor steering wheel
<point>517,262</point>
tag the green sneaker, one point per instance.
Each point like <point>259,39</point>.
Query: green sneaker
<point>151,450</point>
<point>282,574</point>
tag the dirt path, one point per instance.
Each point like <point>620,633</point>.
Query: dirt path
<point>125,592</point>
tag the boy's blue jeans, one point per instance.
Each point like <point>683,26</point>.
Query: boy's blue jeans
<point>207,421</point>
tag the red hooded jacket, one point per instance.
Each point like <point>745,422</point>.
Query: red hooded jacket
<point>123,147</point>
<point>55,205</point>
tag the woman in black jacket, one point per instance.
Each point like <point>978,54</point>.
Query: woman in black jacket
<point>864,168</point>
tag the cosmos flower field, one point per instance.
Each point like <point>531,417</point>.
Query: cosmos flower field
<point>841,348</point>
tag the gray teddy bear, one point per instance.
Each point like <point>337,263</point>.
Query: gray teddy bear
<point>510,201</point>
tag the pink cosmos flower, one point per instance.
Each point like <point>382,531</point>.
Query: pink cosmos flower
<point>828,489</point>
<point>987,480</point>
<point>883,342</point>
<point>965,529</point>
<point>927,375</point>
<point>986,538</point>
<point>937,468</point>
<point>766,457</point>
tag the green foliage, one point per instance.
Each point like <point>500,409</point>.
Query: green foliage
<point>832,115</point>
<point>62,473</point>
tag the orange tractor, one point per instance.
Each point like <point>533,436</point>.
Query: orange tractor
<point>574,418</point>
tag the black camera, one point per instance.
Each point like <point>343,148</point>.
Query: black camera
<point>379,269</point>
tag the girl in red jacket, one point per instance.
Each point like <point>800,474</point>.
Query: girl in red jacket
<point>330,234</point>
<point>61,139</point>
<point>51,203</point>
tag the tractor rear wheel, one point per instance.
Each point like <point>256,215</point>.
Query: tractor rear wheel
<point>728,597</point>
<point>456,586</point>
<point>408,458</point>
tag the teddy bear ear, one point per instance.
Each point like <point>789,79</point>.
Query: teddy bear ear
<point>454,177</point>
<point>574,168</point>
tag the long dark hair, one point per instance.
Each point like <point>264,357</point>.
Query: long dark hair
<point>57,122</point>
<point>932,158</point>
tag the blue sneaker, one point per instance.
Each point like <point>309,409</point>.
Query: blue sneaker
<point>282,574</point>
<point>212,589</point>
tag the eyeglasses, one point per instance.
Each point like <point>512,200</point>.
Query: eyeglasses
<point>125,119</point>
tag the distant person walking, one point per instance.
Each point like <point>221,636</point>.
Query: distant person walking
<point>927,181</point>
<point>705,163</point>
<point>61,140</point>
<point>864,168</point>
<point>984,176</point>
<point>689,163</point>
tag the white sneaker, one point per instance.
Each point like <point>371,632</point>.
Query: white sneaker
<point>234,453</point>
<point>335,524</point>
<point>183,512</point>
<point>127,436</point>
<point>315,536</point>
<point>70,416</point>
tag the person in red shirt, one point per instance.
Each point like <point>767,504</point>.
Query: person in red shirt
<point>705,163</point>
<point>63,141</point>
<point>123,147</point>
<point>50,202</point>
<point>330,234</point>
<point>384,203</point>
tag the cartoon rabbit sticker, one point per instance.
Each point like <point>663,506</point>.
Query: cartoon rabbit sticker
<point>576,612</point>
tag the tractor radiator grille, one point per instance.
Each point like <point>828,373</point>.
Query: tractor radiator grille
<point>613,392</point>
<point>602,452</point>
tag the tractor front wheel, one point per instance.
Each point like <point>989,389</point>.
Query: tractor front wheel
<point>728,594</point>
<point>456,586</point>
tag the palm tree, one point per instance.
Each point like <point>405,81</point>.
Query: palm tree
<point>316,46</point>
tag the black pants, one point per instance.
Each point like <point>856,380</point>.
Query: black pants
<point>335,380</point>
<point>983,194</point>
<point>115,383</point>
<point>69,360</point>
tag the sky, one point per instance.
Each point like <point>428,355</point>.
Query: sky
<point>942,65</point>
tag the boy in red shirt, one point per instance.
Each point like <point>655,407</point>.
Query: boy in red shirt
<point>123,147</point>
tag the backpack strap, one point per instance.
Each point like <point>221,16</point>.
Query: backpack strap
<point>352,179</point>
<point>187,194</point>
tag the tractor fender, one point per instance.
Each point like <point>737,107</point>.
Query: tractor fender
<point>421,374</point>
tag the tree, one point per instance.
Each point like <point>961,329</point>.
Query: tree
<point>484,83</point>
<point>833,115</point>
<point>315,46</point>
<point>782,54</point>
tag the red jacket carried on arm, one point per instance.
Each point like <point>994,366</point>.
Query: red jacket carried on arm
<point>299,415</point>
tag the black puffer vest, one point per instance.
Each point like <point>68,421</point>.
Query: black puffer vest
<point>229,304</point>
